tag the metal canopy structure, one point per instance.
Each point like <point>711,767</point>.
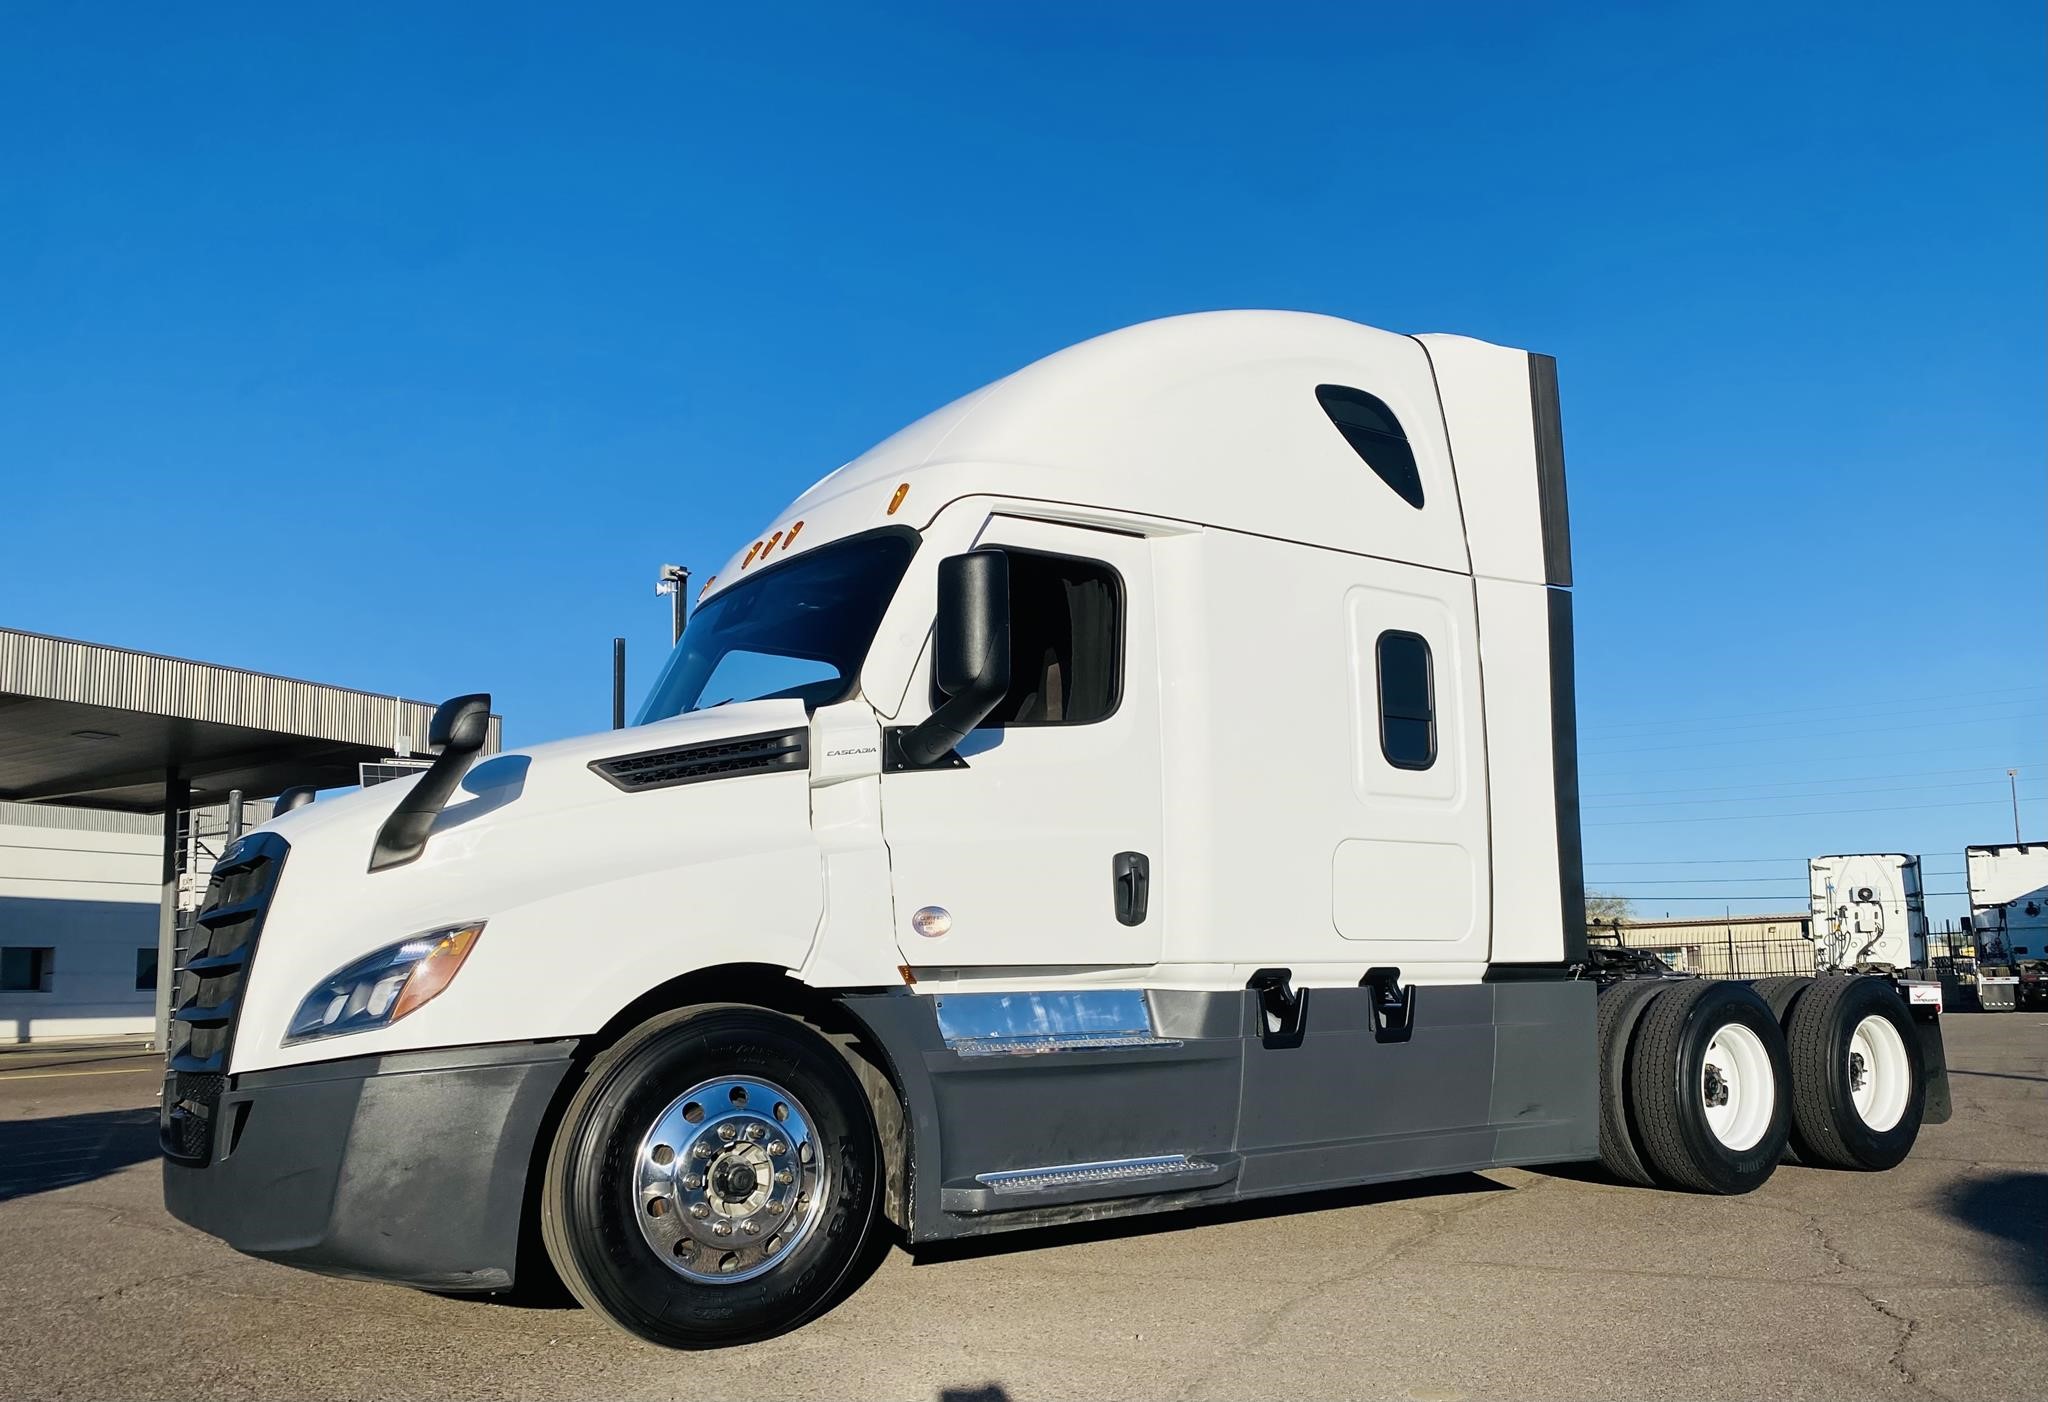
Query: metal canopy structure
<point>87,726</point>
<point>102,727</point>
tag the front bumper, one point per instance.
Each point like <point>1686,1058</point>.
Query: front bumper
<point>409,1168</point>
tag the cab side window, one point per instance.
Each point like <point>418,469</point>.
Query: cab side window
<point>1407,701</point>
<point>1066,642</point>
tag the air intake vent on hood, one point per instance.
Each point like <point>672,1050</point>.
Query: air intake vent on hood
<point>714,759</point>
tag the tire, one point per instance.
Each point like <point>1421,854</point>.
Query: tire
<point>1781,993</point>
<point>1709,1088</point>
<point>1621,1008</point>
<point>755,1101</point>
<point>1858,1090</point>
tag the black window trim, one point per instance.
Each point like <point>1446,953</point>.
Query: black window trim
<point>1120,616</point>
<point>1429,690</point>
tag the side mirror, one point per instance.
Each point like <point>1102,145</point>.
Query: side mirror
<point>461,724</point>
<point>970,652</point>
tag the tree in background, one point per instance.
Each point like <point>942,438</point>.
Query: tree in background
<point>1606,912</point>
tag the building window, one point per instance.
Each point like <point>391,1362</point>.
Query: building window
<point>26,968</point>
<point>1066,642</point>
<point>145,969</point>
<point>1373,432</point>
<point>1407,701</point>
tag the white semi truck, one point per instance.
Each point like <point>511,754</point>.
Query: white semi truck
<point>1148,781</point>
<point>1869,909</point>
<point>2009,923</point>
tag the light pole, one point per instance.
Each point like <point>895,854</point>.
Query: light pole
<point>674,581</point>
<point>2012,781</point>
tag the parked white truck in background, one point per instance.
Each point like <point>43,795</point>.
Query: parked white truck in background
<point>2009,923</point>
<point>1869,908</point>
<point>1148,781</point>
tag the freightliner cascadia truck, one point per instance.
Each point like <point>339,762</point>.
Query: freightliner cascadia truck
<point>1148,781</point>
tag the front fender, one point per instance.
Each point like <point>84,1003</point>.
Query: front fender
<point>587,904</point>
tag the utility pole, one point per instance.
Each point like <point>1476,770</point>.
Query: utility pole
<point>2012,782</point>
<point>674,581</point>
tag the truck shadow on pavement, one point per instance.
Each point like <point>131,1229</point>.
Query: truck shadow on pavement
<point>2012,1209</point>
<point>63,1151</point>
<point>1188,1219</point>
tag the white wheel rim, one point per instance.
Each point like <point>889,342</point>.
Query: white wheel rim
<point>1737,1090</point>
<point>1879,1074</point>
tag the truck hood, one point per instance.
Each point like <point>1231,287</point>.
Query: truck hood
<point>554,775</point>
<point>557,859</point>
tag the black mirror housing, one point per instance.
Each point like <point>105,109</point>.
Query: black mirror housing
<point>461,723</point>
<point>970,652</point>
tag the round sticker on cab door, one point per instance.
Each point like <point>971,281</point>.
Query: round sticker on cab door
<point>931,921</point>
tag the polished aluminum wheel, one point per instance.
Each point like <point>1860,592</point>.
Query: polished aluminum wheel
<point>729,1179</point>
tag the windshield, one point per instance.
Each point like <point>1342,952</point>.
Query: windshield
<point>800,629</point>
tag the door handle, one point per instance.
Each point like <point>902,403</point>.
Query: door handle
<point>1131,874</point>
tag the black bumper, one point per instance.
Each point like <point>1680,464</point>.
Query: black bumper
<point>409,1168</point>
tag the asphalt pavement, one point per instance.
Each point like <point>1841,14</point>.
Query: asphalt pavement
<point>1928,1281</point>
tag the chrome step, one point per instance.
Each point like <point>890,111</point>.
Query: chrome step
<point>1075,1175</point>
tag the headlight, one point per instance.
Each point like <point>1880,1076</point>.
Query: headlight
<point>379,989</point>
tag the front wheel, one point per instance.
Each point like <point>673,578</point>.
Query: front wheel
<point>713,1180</point>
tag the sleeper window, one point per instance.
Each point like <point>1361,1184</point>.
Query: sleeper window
<point>1066,642</point>
<point>1407,701</point>
<point>1373,432</point>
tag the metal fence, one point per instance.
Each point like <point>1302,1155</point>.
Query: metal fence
<point>1724,956</point>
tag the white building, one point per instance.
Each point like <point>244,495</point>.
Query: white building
<point>79,893</point>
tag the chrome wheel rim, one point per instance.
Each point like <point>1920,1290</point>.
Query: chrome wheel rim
<point>729,1180</point>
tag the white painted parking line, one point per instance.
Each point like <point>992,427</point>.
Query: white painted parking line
<point>59,1075</point>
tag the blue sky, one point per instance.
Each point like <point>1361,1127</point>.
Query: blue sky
<point>397,347</point>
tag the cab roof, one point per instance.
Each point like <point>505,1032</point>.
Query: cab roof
<point>1212,418</point>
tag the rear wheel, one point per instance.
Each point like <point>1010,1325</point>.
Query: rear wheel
<point>1858,1092</point>
<point>1621,1008</point>
<point>1781,993</point>
<point>713,1179</point>
<point>1707,1081</point>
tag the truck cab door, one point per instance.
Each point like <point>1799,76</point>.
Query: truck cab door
<point>1039,840</point>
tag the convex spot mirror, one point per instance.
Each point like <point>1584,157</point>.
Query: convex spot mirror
<point>970,652</point>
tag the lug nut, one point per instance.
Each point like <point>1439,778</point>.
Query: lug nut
<point>750,1227</point>
<point>783,1175</point>
<point>699,1210</point>
<point>703,1149</point>
<point>756,1131</point>
<point>775,1205</point>
<point>777,1147</point>
<point>693,1180</point>
<point>721,1228</point>
<point>728,1133</point>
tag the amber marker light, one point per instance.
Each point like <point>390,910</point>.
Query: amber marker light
<point>436,971</point>
<point>902,491</point>
<point>790,539</point>
<point>751,554</point>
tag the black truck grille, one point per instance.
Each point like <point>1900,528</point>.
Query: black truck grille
<point>208,993</point>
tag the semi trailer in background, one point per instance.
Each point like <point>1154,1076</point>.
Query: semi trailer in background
<point>2009,923</point>
<point>1869,909</point>
<point>1148,781</point>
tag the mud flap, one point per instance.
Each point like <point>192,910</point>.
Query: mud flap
<point>1933,1065</point>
